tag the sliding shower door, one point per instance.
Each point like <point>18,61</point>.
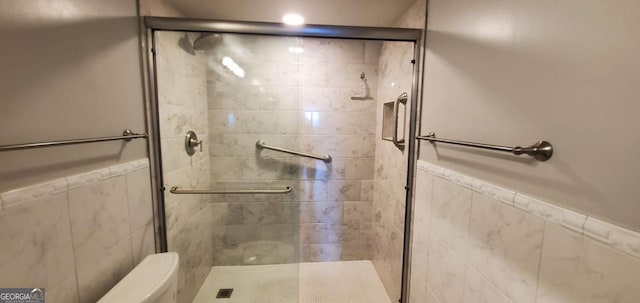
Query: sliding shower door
<point>274,163</point>
<point>182,108</point>
<point>251,99</point>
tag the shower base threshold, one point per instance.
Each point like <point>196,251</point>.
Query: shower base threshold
<point>317,282</point>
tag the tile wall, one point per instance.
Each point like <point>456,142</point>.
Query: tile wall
<point>396,71</point>
<point>477,242</point>
<point>183,107</point>
<point>77,236</point>
<point>292,93</point>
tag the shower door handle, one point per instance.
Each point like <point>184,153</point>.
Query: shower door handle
<point>396,111</point>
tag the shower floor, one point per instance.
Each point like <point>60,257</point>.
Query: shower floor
<point>318,282</point>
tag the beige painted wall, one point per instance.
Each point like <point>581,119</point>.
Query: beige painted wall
<point>513,72</point>
<point>160,8</point>
<point>70,69</point>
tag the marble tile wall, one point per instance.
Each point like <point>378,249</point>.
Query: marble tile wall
<point>77,236</point>
<point>477,242</point>
<point>396,71</point>
<point>292,93</point>
<point>182,97</point>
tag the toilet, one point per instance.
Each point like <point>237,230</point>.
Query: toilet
<point>154,280</point>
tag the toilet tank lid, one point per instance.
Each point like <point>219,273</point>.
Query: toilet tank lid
<point>146,281</point>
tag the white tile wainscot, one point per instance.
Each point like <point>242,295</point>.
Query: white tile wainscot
<point>485,243</point>
<point>77,236</point>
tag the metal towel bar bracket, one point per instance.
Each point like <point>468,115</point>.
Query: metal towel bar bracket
<point>127,135</point>
<point>177,190</point>
<point>261,145</point>
<point>541,150</point>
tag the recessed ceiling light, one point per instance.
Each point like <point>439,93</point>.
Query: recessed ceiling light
<point>233,66</point>
<point>292,19</point>
<point>296,49</point>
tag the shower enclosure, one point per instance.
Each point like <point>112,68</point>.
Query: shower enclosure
<point>274,181</point>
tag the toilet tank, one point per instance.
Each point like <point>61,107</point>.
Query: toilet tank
<point>154,280</point>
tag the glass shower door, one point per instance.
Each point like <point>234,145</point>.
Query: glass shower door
<point>252,98</point>
<point>289,192</point>
<point>231,208</point>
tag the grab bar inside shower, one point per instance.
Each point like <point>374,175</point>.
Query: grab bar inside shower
<point>176,190</point>
<point>262,145</point>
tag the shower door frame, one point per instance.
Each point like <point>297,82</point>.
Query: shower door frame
<point>154,24</point>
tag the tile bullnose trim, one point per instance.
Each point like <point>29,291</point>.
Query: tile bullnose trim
<point>457,178</point>
<point>493,191</point>
<point>430,168</point>
<point>612,235</point>
<point>44,190</point>
<point>128,167</point>
<point>446,174</point>
<point>84,179</point>
<point>121,169</point>
<point>32,193</point>
<point>140,164</point>
<point>552,213</point>
<point>615,236</point>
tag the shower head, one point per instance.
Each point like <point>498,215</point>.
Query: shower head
<point>206,41</point>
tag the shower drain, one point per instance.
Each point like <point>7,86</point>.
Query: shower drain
<point>224,293</point>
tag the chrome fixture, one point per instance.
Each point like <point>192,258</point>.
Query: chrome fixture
<point>185,44</point>
<point>261,145</point>
<point>279,29</point>
<point>206,41</point>
<point>191,142</point>
<point>541,150</point>
<point>366,91</point>
<point>177,191</point>
<point>127,135</point>
<point>390,127</point>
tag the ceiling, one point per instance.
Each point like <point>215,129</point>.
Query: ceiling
<point>335,12</point>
